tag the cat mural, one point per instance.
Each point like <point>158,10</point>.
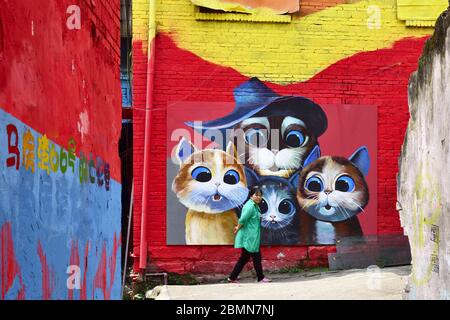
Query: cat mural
<point>272,141</point>
<point>276,132</point>
<point>332,191</point>
<point>211,184</point>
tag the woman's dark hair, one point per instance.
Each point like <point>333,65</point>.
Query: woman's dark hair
<point>254,190</point>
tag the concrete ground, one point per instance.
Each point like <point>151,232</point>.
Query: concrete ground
<point>358,284</point>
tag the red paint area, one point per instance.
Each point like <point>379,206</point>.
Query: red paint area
<point>376,78</point>
<point>10,269</point>
<point>101,276</point>
<point>50,75</point>
<point>48,279</point>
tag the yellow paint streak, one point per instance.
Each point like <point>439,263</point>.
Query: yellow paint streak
<point>427,199</point>
<point>284,53</point>
<point>140,20</point>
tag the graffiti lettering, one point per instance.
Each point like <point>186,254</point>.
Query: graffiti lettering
<point>94,170</point>
<point>72,148</point>
<point>427,209</point>
<point>13,147</point>
<point>83,169</point>
<point>435,263</point>
<point>99,169</point>
<point>44,154</point>
<point>54,159</point>
<point>63,160</point>
<point>107,176</point>
<point>28,155</point>
<point>435,233</point>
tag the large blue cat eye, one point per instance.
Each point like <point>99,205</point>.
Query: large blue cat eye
<point>295,139</point>
<point>345,184</point>
<point>231,177</point>
<point>263,206</point>
<point>314,184</point>
<point>286,207</point>
<point>201,174</point>
<point>256,137</point>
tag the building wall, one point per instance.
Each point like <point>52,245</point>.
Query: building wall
<point>60,120</point>
<point>423,189</point>
<point>332,52</point>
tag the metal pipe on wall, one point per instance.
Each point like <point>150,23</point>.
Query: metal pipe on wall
<point>147,134</point>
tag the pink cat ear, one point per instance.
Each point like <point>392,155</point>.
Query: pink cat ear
<point>184,150</point>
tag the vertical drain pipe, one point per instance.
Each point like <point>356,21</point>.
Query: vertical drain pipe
<point>147,136</point>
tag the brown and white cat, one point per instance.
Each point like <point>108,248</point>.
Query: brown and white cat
<point>331,192</point>
<point>211,184</point>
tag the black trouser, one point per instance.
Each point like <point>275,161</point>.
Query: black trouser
<point>243,259</point>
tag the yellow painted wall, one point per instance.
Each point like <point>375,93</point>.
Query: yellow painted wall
<point>280,53</point>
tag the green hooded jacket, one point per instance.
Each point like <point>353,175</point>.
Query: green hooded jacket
<point>249,235</point>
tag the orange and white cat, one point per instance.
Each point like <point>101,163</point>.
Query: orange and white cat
<point>211,184</point>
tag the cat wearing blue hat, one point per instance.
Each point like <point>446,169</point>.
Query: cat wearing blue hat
<point>273,133</point>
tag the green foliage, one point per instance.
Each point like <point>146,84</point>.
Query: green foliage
<point>182,279</point>
<point>294,269</point>
<point>300,269</point>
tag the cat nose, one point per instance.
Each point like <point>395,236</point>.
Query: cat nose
<point>328,191</point>
<point>273,217</point>
<point>275,151</point>
<point>217,184</point>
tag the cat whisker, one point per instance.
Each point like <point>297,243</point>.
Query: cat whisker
<point>341,212</point>
<point>357,205</point>
<point>344,212</point>
<point>234,196</point>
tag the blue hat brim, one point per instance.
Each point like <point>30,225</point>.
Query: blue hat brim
<point>309,112</point>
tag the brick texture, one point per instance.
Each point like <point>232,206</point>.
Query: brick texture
<point>377,77</point>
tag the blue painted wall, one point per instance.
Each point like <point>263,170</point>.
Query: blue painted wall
<point>61,212</point>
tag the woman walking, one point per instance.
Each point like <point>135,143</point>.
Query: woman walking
<point>248,237</point>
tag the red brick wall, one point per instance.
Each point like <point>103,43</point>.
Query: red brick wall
<point>377,78</point>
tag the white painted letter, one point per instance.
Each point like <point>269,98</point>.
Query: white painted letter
<point>74,20</point>
<point>73,281</point>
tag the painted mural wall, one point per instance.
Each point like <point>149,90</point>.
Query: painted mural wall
<point>422,187</point>
<point>334,53</point>
<point>313,192</point>
<point>60,118</point>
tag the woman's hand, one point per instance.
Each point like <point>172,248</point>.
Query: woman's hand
<point>236,229</point>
